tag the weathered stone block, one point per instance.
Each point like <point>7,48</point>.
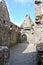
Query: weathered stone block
<point>4,55</point>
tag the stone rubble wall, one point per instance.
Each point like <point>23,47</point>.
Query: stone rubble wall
<point>7,37</point>
<point>11,37</point>
<point>38,34</point>
<point>30,36</point>
<point>3,36</point>
<point>4,55</point>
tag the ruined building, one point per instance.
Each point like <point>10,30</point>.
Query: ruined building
<point>34,31</point>
<point>38,22</point>
<point>4,15</point>
<point>8,31</point>
<point>30,32</point>
<point>38,15</point>
<point>27,30</point>
<point>4,23</point>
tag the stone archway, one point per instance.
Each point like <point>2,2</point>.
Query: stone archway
<point>23,38</point>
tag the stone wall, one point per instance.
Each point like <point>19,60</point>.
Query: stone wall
<point>8,37</point>
<point>27,29</point>
<point>37,7</point>
<point>8,30</point>
<point>4,35</point>
<point>4,15</point>
<point>38,22</point>
<point>29,36</point>
<point>14,37</point>
<point>38,33</point>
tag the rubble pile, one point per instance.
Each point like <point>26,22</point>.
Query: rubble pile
<point>4,55</point>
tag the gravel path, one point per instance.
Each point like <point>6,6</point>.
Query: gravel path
<point>23,54</point>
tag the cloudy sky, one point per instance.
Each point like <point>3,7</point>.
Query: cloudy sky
<point>19,8</point>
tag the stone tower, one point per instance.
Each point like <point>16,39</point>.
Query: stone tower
<point>38,22</point>
<point>38,11</point>
<point>42,12</point>
<point>4,15</point>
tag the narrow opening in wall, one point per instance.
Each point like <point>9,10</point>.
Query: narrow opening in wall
<point>3,21</point>
<point>37,2</point>
<point>38,23</point>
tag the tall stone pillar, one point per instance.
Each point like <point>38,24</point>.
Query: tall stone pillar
<point>42,12</point>
<point>38,22</point>
<point>38,11</point>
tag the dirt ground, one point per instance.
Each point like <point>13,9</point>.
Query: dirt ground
<point>23,54</point>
